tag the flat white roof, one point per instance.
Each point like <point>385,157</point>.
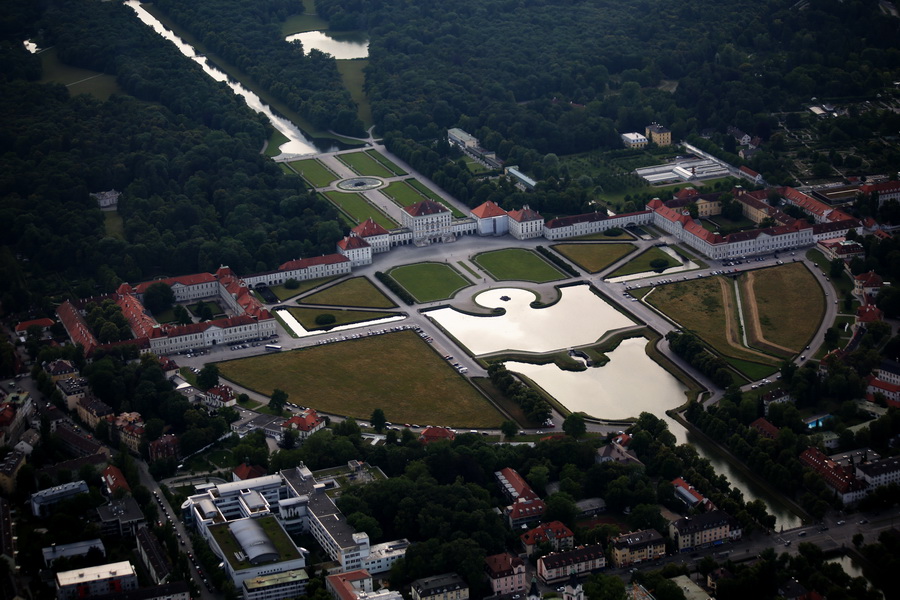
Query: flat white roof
<point>107,571</point>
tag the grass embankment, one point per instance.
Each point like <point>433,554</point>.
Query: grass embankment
<point>428,282</point>
<point>314,172</point>
<point>396,372</point>
<point>641,263</point>
<point>357,291</point>
<point>593,258</point>
<point>517,264</point>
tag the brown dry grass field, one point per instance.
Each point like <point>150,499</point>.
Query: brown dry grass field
<point>789,303</point>
<point>395,372</point>
<point>357,291</point>
<point>593,258</point>
<point>706,307</point>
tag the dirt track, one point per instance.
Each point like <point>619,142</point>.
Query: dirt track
<point>732,332</point>
<point>751,319</point>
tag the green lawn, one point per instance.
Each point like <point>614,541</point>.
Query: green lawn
<point>213,306</point>
<point>307,316</point>
<point>429,281</point>
<point>402,193</point>
<point>358,209</point>
<point>641,263</point>
<point>593,258</point>
<point>166,316</point>
<point>363,164</point>
<point>842,284</point>
<point>357,291</point>
<point>393,167</point>
<point>275,140</point>
<point>428,193</point>
<point>353,77</point>
<point>397,372</point>
<point>313,171</point>
<point>284,293</point>
<point>76,79</point>
<point>113,224</point>
<point>517,264</point>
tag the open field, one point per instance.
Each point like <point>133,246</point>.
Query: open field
<point>384,160</point>
<point>517,264</point>
<point>641,263</point>
<point>363,164</point>
<point>706,308</point>
<point>283,293</point>
<point>789,304</point>
<point>313,171</point>
<point>354,78</point>
<point>76,80</point>
<point>396,372</point>
<point>428,282</point>
<point>113,224</point>
<point>593,258</point>
<point>358,208</point>
<point>307,316</point>
<point>357,291</point>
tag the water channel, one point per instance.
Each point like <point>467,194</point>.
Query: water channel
<point>298,142</point>
<point>627,385</point>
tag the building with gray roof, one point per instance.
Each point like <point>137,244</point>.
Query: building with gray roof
<point>43,501</point>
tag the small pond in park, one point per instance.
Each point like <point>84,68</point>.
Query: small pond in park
<point>342,46</point>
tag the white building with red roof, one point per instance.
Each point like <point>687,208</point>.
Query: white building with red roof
<point>306,423</point>
<point>377,236</point>
<point>302,269</point>
<point>525,223</point>
<point>555,534</point>
<point>591,223</point>
<point>886,190</point>
<point>436,434</point>
<point>429,222</point>
<point>44,324</point>
<point>506,573</point>
<point>867,285</point>
<point>356,249</point>
<point>185,287</point>
<point>490,219</point>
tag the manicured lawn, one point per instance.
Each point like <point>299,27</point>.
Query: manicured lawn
<point>307,316</point>
<point>384,160</point>
<point>396,372</point>
<point>284,293</point>
<point>517,264</point>
<point>313,171</point>
<point>401,193</point>
<point>221,458</point>
<point>354,78</point>
<point>429,281</point>
<point>166,316</point>
<point>363,164</point>
<point>357,291</point>
<point>474,166</point>
<point>358,209</point>
<point>425,191</point>
<point>706,308</point>
<point>790,303</point>
<point>641,263</point>
<point>594,257</point>
<point>603,237</point>
<point>113,224</point>
<point>213,306</point>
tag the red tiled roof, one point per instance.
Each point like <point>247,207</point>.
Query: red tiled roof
<point>114,479</point>
<point>749,172</point>
<point>139,319</point>
<point>24,325</point>
<point>546,532</point>
<point>525,214</point>
<point>807,203</point>
<point>522,489</point>
<point>304,263</point>
<point>352,242</point>
<point>244,471</point>
<point>766,428</point>
<point>76,327</point>
<point>681,483</point>
<point>434,434</point>
<point>487,210</point>
<point>305,421</point>
<point>425,207</point>
<point>870,279</point>
<point>368,228</point>
<point>868,314</point>
<point>688,192</point>
<point>881,188</point>
<point>502,565</point>
<point>193,279</point>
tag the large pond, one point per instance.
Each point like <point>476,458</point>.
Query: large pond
<point>611,391</point>
<point>298,142</point>
<point>342,46</point>
<point>579,318</point>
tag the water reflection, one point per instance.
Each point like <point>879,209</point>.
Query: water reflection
<point>611,391</point>
<point>579,318</point>
<point>342,47</point>
<point>298,142</point>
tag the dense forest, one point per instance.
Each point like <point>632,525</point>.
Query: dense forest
<point>182,149</point>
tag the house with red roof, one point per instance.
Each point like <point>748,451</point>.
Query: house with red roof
<point>490,219</point>
<point>375,235</point>
<point>840,478</point>
<point>690,496</point>
<point>306,423</point>
<point>219,396</point>
<point>867,285</point>
<point>527,507</point>
<point>752,175</point>
<point>765,428</point>
<point>45,325</point>
<point>591,223</point>
<point>556,534</point>
<point>302,269</point>
<point>525,223</point>
<point>356,249</point>
<point>869,314</point>
<point>506,573</point>
<point>889,391</point>
<point>164,447</point>
<point>886,190</point>
<point>114,480</point>
<point>436,434</point>
<point>185,287</point>
<point>243,472</point>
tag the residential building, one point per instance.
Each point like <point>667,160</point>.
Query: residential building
<point>304,424</point>
<point>244,471</point>
<point>701,531</point>
<point>506,573</point>
<point>8,539</point>
<point>527,507</point>
<point>555,534</point>
<point>219,396</point>
<point>634,140</point>
<point>43,501</point>
<point>91,410</point>
<point>879,472</point>
<point>525,223</point>
<point>165,447</point>
<point>886,190</point>
<point>10,466</point>
<point>76,443</point>
<point>840,248</point>
<point>120,518</point>
<point>775,396</point>
<point>615,452</point>
<point>436,434</point>
<point>57,551</point>
<point>126,428</point>
<point>153,556</point>
<point>658,134</point>
<point>448,586</point>
<point>637,547</point>
<point>60,369</point>
<point>90,582</point>
<point>690,496</point>
<point>73,390</point>
<point>349,585</point>
<point>114,481</point>
<point>356,249</point>
<point>841,479</point>
<point>44,325</point>
<point>765,428</point>
<point>557,566</point>
<point>167,591</point>
<point>72,467</point>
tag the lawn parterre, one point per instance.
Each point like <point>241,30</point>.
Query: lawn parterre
<point>430,281</point>
<point>388,163</point>
<point>396,372</point>
<point>363,164</point>
<point>359,209</point>
<point>428,193</point>
<point>307,316</point>
<point>641,263</point>
<point>283,293</point>
<point>517,264</point>
<point>313,171</point>
<point>402,194</point>
<point>357,291</point>
<point>594,257</point>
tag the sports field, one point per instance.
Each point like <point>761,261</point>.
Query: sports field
<point>313,171</point>
<point>593,258</point>
<point>397,372</point>
<point>517,264</point>
<point>357,291</point>
<point>358,208</point>
<point>430,281</point>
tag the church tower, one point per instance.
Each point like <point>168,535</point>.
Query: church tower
<point>533,592</point>
<point>573,590</point>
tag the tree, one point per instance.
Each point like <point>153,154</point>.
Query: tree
<point>659,264</point>
<point>208,377</point>
<point>159,297</point>
<point>836,268</point>
<point>509,429</point>
<point>182,316</point>
<point>289,439</point>
<point>574,425</point>
<point>278,400</point>
<point>378,420</point>
<point>204,311</point>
